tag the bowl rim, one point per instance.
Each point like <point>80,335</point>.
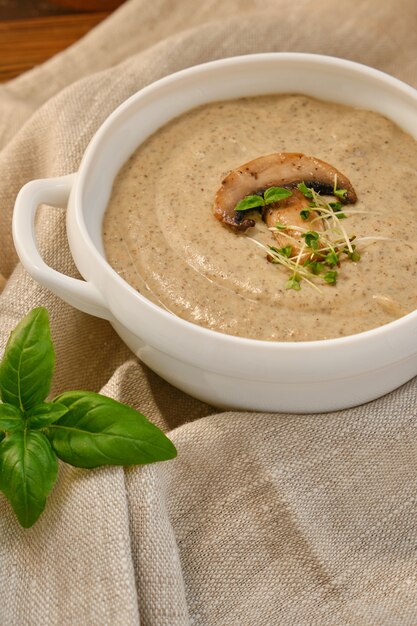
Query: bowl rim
<point>168,317</point>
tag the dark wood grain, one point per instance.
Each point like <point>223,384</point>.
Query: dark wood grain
<point>32,31</point>
<point>26,43</point>
<point>23,9</point>
<point>89,5</point>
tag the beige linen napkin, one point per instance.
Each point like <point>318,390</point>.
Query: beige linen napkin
<point>262,519</point>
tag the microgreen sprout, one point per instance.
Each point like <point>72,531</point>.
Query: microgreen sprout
<point>279,226</point>
<point>311,238</point>
<point>293,282</point>
<point>315,267</point>
<point>354,255</point>
<point>285,250</point>
<point>332,258</point>
<point>313,253</point>
<point>274,255</point>
<point>330,277</point>
<point>336,208</point>
<point>339,193</point>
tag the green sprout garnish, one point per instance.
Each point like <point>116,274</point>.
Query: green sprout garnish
<point>354,255</point>
<point>285,251</point>
<point>339,193</point>
<point>332,258</point>
<point>315,267</point>
<point>293,283</point>
<point>311,238</point>
<point>336,206</point>
<point>330,277</point>
<point>317,256</point>
<point>280,226</point>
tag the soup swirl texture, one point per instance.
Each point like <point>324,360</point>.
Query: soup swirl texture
<point>161,236</point>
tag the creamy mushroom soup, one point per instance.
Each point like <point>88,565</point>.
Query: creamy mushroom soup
<point>162,236</point>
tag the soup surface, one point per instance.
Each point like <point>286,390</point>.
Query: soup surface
<point>161,236</point>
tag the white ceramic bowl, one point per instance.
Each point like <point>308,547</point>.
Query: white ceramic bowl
<point>223,370</point>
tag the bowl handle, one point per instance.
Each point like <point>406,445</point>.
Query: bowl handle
<point>55,192</point>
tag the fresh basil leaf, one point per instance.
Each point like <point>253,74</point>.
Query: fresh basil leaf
<point>250,202</point>
<point>306,191</point>
<point>97,430</point>
<point>275,194</point>
<point>28,362</point>
<point>28,470</point>
<point>11,419</point>
<point>44,414</point>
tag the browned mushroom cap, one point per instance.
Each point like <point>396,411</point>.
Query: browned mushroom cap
<point>283,169</point>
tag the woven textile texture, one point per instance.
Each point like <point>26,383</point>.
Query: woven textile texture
<point>262,519</point>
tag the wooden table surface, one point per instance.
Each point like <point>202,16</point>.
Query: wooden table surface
<point>31,31</point>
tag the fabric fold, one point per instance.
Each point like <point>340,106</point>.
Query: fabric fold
<point>262,518</point>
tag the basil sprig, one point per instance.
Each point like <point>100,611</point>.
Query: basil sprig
<point>82,428</point>
<point>270,195</point>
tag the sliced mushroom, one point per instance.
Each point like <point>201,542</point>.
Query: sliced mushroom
<point>287,213</point>
<point>285,169</point>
